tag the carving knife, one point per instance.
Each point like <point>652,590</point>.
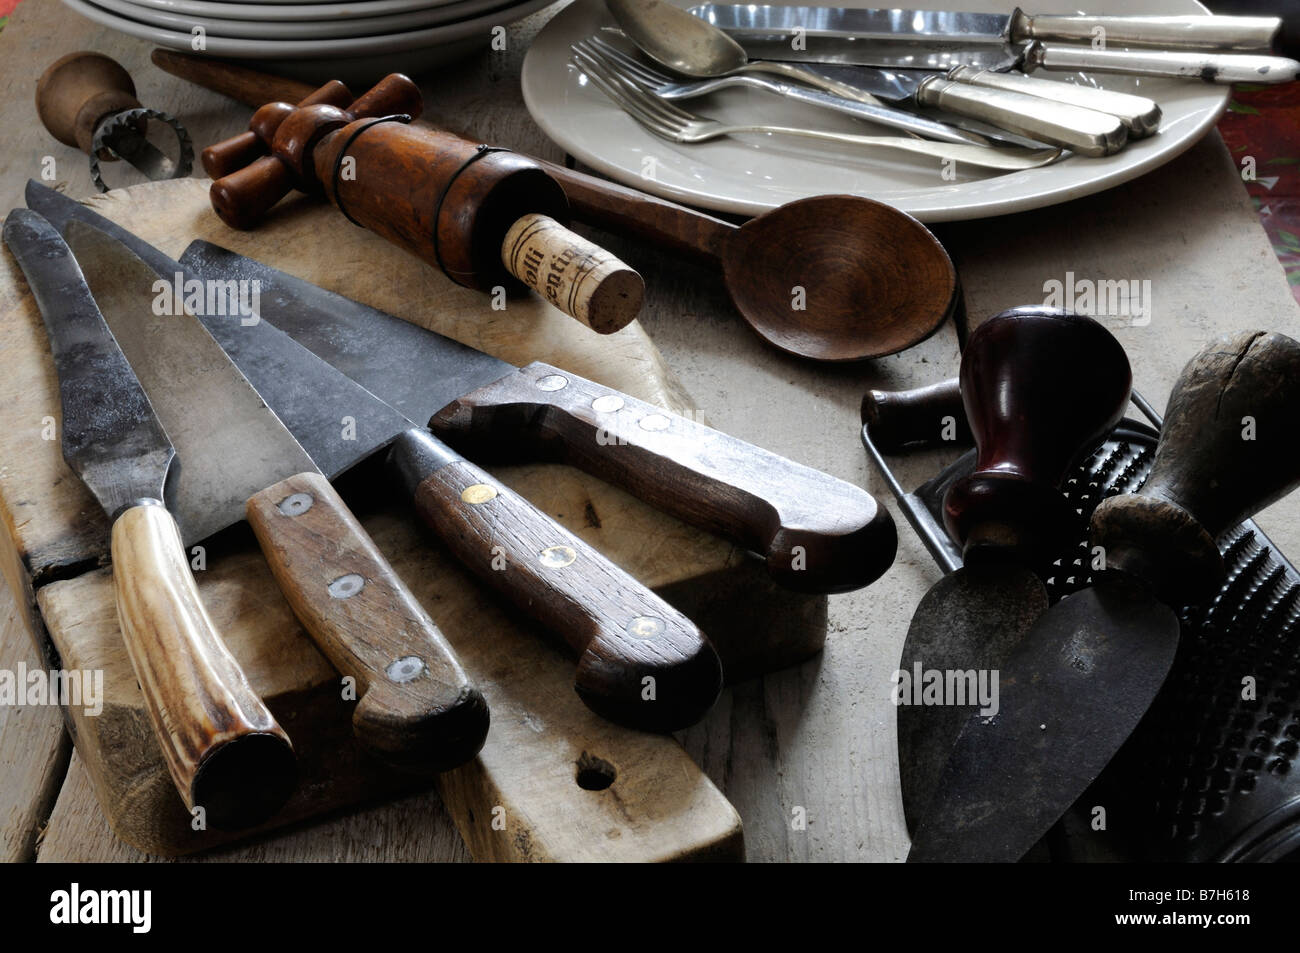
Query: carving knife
<point>1200,47</point>
<point>224,750</point>
<point>1081,678</point>
<point>623,633</point>
<point>416,707</point>
<point>1041,389</point>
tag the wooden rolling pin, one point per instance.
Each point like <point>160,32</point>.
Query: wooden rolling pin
<point>486,217</point>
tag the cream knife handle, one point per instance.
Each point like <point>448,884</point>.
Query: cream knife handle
<point>1251,34</point>
<point>225,751</point>
<point>1084,131</point>
<point>1141,116</point>
<point>1222,68</point>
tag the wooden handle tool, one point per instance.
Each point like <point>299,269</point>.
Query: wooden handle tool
<point>486,217</point>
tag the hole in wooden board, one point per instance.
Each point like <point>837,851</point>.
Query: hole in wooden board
<point>594,774</point>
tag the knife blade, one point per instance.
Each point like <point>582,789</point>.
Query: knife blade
<point>1040,389</point>
<point>817,533</point>
<point>641,662</point>
<point>1083,676</point>
<point>224,750</point>
<point>416,708</point>
<point>1173,47</point>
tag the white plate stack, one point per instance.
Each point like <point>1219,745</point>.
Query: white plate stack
<point>334,40</point>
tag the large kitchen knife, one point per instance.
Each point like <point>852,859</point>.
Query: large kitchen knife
<point>416,707</point>
<point>1041,388</point>
<point>1184,47</point>
<point>1080,680</point>
<point>641,662</point>
<point>224,750</point>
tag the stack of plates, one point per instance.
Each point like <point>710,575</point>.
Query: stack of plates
<point>353,38</point>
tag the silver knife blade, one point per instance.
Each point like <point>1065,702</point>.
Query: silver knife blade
<point>112,437</point>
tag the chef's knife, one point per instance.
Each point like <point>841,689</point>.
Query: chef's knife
<point>1082,677</point>
<point>416,707</point>
<point>818,534</point>
<point>1041,388</point>
<point>224,750</point>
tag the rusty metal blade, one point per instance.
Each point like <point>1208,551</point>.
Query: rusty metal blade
<point>1070,694</point>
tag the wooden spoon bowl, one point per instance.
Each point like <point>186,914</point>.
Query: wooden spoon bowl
<point>840,278</point>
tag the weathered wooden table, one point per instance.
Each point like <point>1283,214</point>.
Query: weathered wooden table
<point>816,741</point>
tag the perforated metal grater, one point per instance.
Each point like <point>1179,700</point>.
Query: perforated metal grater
<point>1210,774</point>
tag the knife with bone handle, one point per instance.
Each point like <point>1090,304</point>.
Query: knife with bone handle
<point>485,217</point>
<point>622,632</point>
<point>223,748</point>
<point>1082,677</point>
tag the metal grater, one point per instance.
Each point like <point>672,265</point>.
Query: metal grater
<point>1208,775</point>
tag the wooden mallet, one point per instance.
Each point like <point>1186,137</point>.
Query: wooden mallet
<point>486,217</point>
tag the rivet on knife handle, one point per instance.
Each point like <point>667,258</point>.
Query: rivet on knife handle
<point>416,707</point>
<point>1041,386</point>
<point>1222,68</point>
<point>235,762</point>
<point>1140,115</point>
<point>1085,131</point>
<point>817,533</point>
<point>1230,446</point>
<point>640,661</point>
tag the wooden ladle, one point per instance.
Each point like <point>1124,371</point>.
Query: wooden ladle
<point>832,278</point>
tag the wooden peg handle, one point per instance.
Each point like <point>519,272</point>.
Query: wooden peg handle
<point>78,90</point>
<point>229,155</point>
<point>928,416</point>
<point>1041,387</point>
<point>1230,445</point>
<point>640,662</point>
<point>225,751</point>
<point>577,276</point>
<point>416,707</point>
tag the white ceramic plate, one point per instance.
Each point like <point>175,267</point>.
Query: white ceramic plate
<point>318,30</point>
<point>750,174</point>
<point>323,50</point>
<point>293,12</point>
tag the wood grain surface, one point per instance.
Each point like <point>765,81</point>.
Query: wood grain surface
<point>818,739</point>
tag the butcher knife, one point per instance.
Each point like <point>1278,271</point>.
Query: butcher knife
<point>1041,389</point>
<point>641,662</point>
<point>224,750</point>
<point>416,707</point>
<point>1081,678</point>
<point>1185,47</point>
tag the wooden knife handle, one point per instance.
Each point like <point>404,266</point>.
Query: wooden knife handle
<point>225,751</point>
<point>1041,388</point>
<point>1230,445</point>
<point>416,707</point>
<point>640,662</point>
<point>817,533</point>
<point>929,416</point>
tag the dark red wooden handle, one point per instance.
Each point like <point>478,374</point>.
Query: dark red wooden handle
<point>928,416</point>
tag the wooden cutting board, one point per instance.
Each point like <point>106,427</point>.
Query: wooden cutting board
<point>554,782</point>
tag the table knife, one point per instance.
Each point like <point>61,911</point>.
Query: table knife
<point>1184,47</point>
<point>1081,678</point>
<point>622,632</point>
<point>225,751</point>
<point>416,708</point>
<point>1040,388</point>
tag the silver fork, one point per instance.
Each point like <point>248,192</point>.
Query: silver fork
<point>670,88</point>
<point>671,122</point>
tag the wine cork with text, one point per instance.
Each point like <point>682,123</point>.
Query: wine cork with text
<point>577,276</point>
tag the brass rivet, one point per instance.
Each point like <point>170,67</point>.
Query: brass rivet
<point>607,404</point>
<point>557,557</point>
<point>345,587</point>
<point>295,504</point>
<point>645,627</point>
<point>478,493</point>
<point>405,669</point>
<point>552,382</point>
<point>655,422</point>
